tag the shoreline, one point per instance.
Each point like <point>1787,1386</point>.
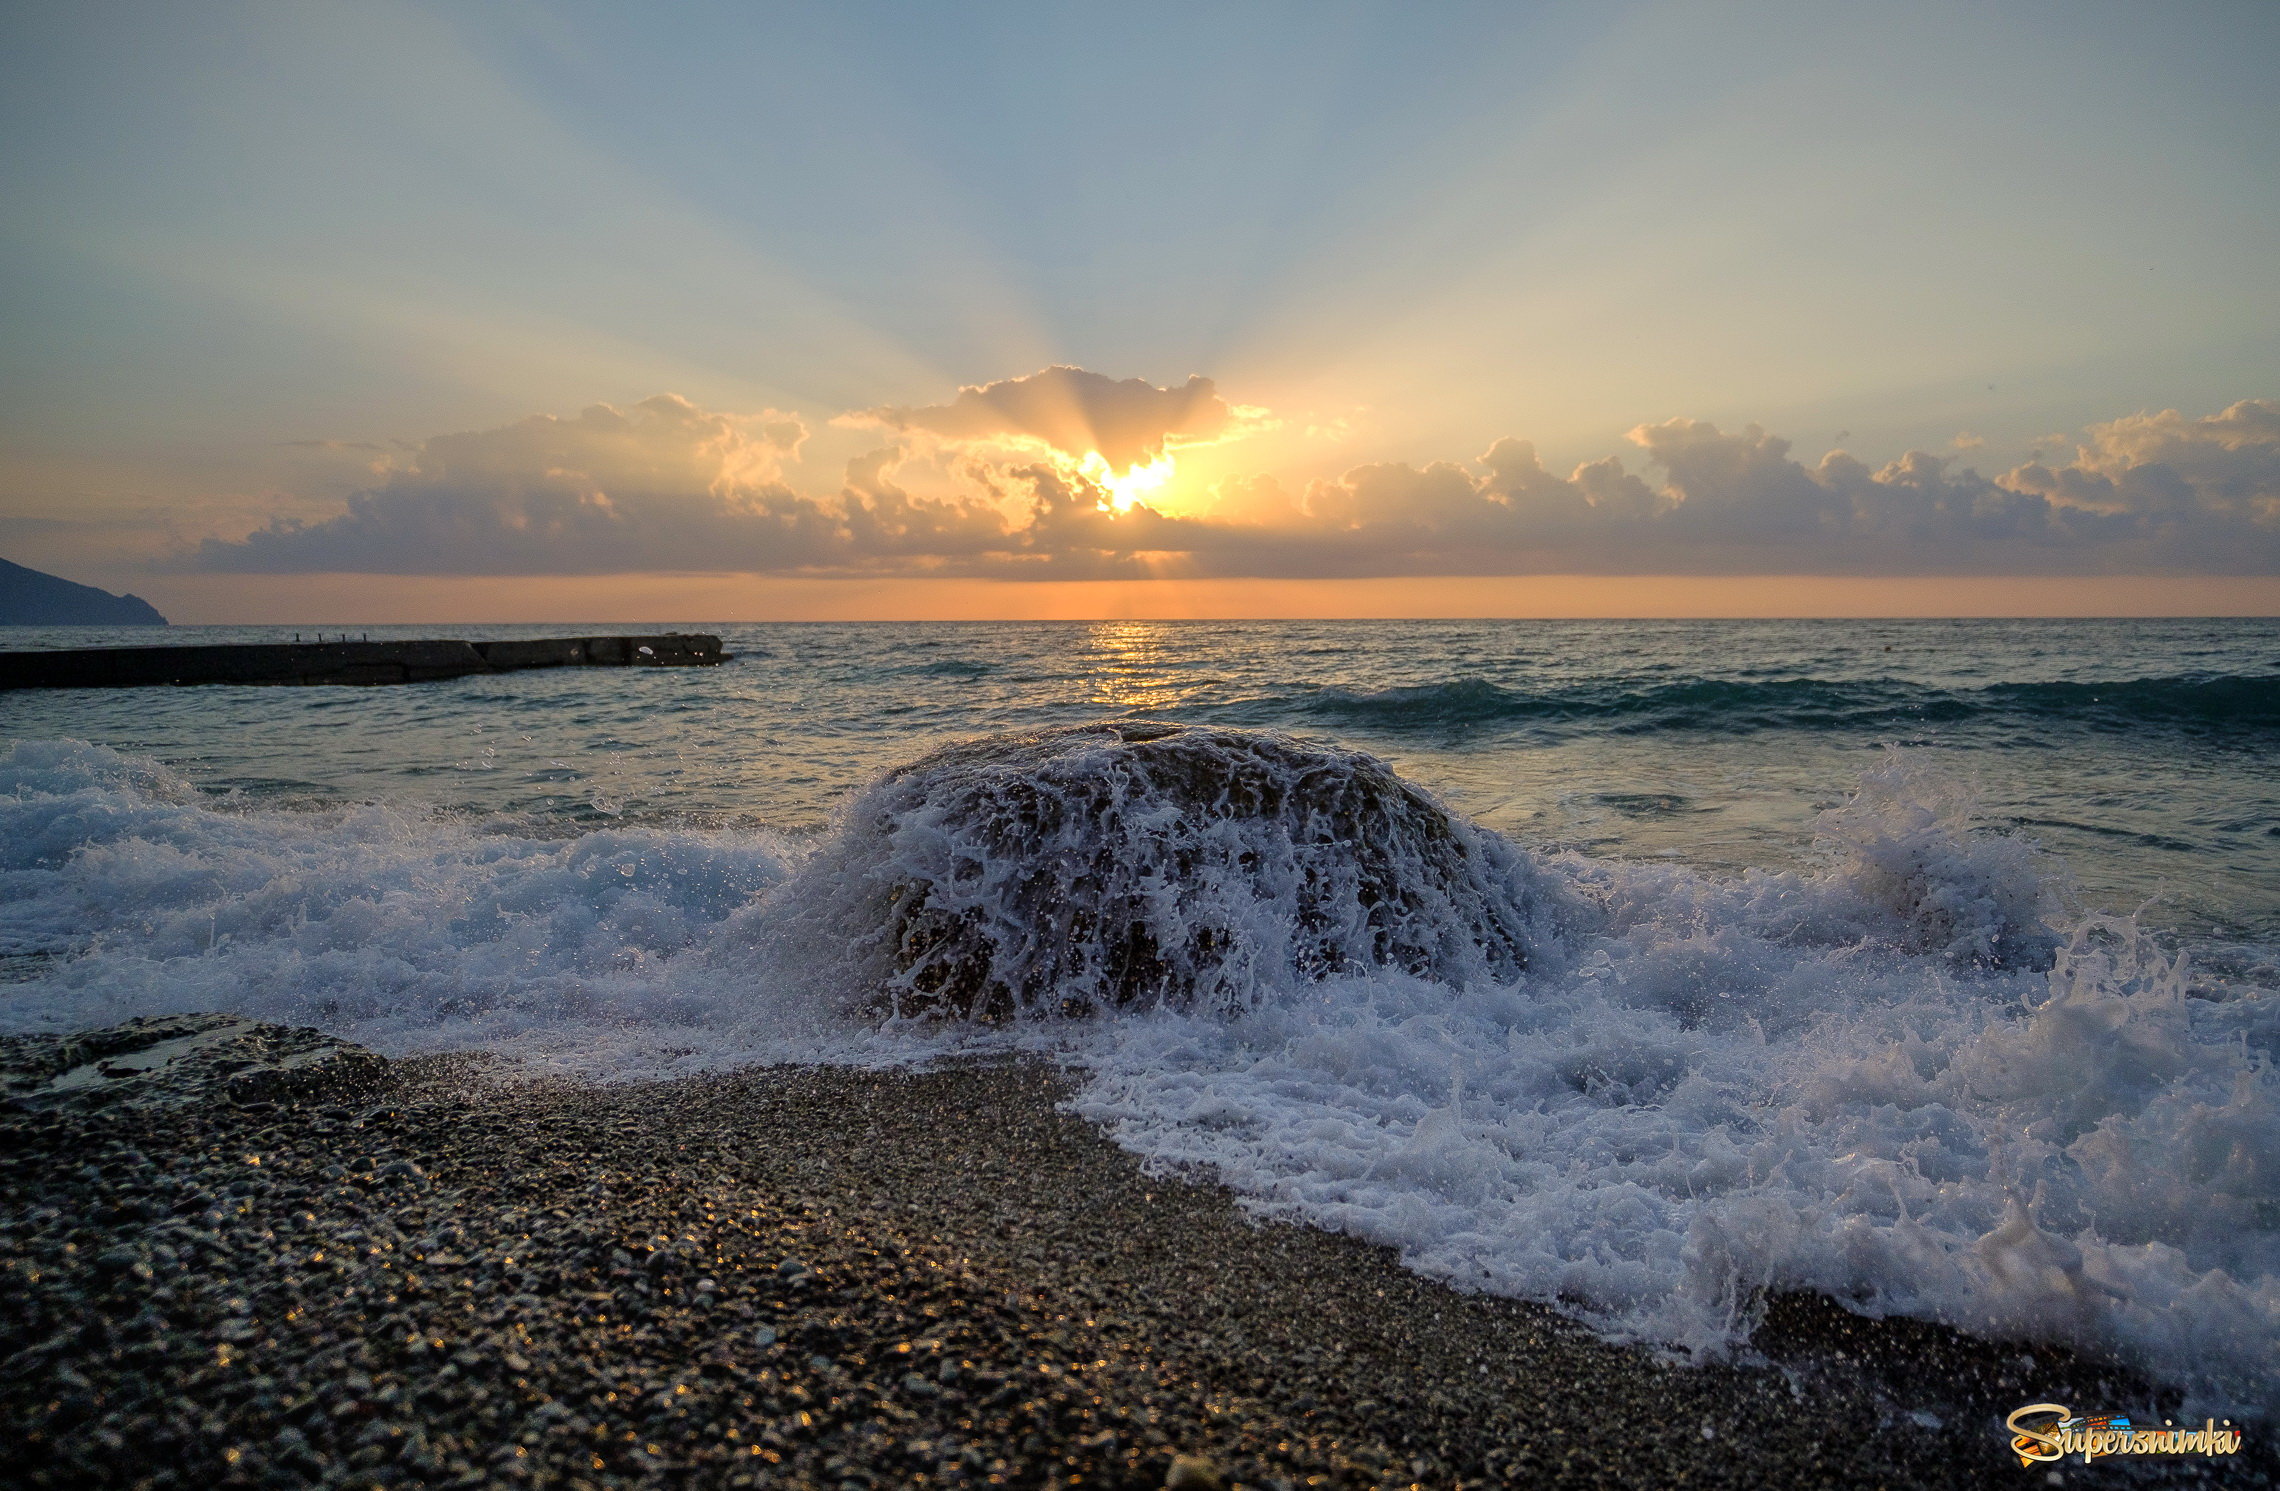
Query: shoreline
<point>837,1277</point>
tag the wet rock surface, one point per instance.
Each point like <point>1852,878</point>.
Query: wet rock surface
<point>1133,863</point>
<point>820,1277</point>
<point>169,1059</point>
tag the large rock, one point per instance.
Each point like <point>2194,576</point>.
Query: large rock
<point>1132,863</point>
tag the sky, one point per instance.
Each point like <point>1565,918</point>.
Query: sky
<point>515,311</point>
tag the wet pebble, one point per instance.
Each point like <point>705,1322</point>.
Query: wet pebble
<point>828,1277</point>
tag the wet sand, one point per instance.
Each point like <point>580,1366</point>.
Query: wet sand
<point>411,1273</point>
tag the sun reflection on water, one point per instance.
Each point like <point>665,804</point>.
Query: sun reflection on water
<point>1133,666</point>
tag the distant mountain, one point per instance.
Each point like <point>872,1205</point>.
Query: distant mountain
<point>30,598</point>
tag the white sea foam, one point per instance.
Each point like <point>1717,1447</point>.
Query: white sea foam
<point>404,931</point>
<point>1902,1080</point>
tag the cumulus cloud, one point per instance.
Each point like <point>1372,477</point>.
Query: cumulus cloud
<point>1126,422</point>
<point>663,485</point>
<point>2167,462</point>
<point>666,485</point>
<point>2150,493</point>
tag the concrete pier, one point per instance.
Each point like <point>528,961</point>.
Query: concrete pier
<point>344,662</point>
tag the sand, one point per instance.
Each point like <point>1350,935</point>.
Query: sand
<point>340,1271</point>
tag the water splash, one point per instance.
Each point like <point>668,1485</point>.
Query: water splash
<point>1130,864</point>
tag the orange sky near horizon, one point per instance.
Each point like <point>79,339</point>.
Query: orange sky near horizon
<point>617,599</point>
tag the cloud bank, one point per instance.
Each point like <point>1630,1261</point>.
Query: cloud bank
<point>665,485</point>
<point>2148,493</point>
<point>650,487</point>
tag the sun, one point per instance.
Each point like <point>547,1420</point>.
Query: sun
<point>1134,484</point>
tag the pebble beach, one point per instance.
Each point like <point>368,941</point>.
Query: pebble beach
<point>300,1264</point>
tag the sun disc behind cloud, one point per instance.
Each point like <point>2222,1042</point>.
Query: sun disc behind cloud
<point>1129,486</point>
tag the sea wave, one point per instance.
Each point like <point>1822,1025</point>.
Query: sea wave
<point>2198,702</point>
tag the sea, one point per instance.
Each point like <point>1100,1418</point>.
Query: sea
<point>1933,966</point>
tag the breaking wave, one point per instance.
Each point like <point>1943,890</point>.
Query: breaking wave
<point>1910,1078</point>
<point>1135,864</point>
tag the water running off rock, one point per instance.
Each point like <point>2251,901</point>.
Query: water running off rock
<point>1132,863</point>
